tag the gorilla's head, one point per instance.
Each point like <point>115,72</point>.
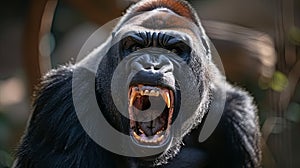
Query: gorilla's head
<point>153,83</point>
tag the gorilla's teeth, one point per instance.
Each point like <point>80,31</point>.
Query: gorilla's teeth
<point>149,92</point>
<point>155,139</point>
<point>160,138</point>
<point>143,138</point>
<point>131,101</point>
<point>136,136</point>
<point>154,93</point>
<point>166,97</point>
<point>159,132</point>
<point>141,131</point>
<point>132,96</point>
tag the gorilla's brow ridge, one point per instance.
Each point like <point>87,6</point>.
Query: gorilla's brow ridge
<point>164,38</point>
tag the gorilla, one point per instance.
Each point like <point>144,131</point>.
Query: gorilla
<point>144,98</point>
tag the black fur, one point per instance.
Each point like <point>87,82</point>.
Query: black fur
<point>55,138</point>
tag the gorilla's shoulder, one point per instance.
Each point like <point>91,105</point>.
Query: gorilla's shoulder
<point>53,102</point>
<point>240,123</point>
<point>239,103</point>
<point>56,76</point>
<point>54,136</point>
<point>48,94</point>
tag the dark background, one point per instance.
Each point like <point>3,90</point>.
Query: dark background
<point>258,41</point>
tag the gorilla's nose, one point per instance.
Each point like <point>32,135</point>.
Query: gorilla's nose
<point>153,70</point>
<point>154,63</point>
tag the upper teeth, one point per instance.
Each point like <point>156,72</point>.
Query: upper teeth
<point>149,91</point>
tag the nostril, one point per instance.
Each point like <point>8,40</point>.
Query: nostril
<point>156,68</point>
<point>162,69</point>
<point>152,68</point>
<point>149,67</point>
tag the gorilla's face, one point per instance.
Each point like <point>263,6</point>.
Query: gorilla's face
<point>154,45</point>
<point>154,50</point>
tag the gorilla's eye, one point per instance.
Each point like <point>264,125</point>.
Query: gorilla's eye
<point>135,47</point>
<point>180,48</point>
<point>176,50</point>
<point>130,44</point>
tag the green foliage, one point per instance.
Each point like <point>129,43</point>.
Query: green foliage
<point>279,81</point>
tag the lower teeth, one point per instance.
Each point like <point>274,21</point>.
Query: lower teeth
<point>143,138</point>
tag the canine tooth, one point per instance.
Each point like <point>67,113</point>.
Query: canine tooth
<point>136,136</point>
<point>132,96</point>
<point>166,98</point>
<point>131,101</point>
<point>160,138</point>
<point>141,131</point>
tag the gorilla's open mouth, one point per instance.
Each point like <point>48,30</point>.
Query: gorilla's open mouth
<point>150,111</point>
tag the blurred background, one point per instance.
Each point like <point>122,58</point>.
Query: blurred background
<point>258,41</point>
